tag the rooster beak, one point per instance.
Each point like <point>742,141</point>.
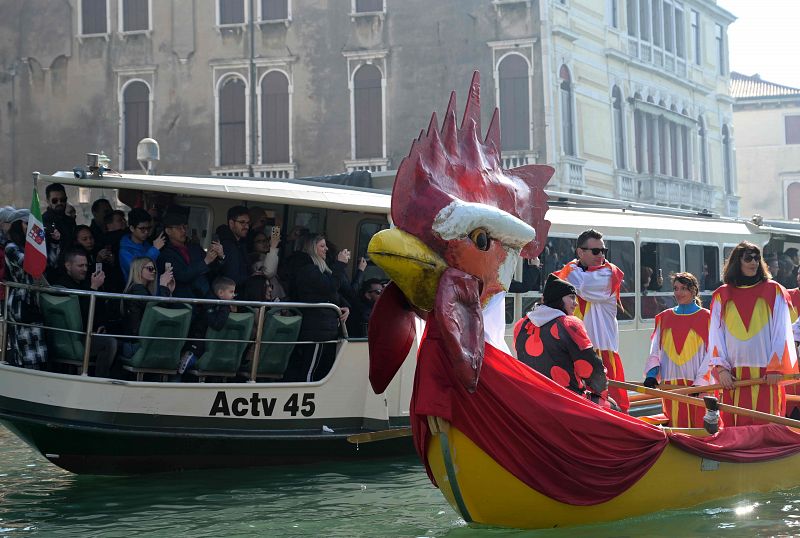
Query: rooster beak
<point>410,263</point>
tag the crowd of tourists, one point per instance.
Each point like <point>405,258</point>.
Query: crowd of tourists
<point>750,331</point>
<point>149,253</point>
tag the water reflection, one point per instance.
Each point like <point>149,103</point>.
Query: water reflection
<point>385,498</point>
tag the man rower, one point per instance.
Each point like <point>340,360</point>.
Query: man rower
<point>597,283</point>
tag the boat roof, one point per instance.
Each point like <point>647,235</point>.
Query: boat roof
<point>279,191</point>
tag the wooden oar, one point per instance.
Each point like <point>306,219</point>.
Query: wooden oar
<point>766,417</point>
<point>381,435</point>
<point>709,388</point>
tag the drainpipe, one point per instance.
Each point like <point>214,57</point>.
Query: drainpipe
<point>12,112</point>
<point>251,26</point>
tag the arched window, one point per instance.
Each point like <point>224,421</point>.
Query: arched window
<point>793,201</point>
<point>136,120</point>
<point>515,119</point>
<point>727,164</point>
<point>275,118</point>
<point>368,112</point>
<point>701,134</point>
<point>619,128</point>
<point>567,121</point>
<point>232,122</point>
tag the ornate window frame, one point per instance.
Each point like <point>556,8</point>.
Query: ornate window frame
<point>355,60</point>
<point>126,76</point>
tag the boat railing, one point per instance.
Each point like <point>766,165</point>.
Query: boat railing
<point>261,309</point>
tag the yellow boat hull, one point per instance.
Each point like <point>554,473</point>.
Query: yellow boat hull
<point>483,492</point>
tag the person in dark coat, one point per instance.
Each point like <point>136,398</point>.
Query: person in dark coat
<point>192,267</point>
<point>104,348</point>
<point>358,320</point>
<point>233,237</point>
<point>59,227</point>
<point>317,283</point>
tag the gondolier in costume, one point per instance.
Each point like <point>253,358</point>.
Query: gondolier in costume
<point>793,408</point>
<point>597,282</point>
<point>679,350</point>
<point>552,341</point>
<point>750,335</point>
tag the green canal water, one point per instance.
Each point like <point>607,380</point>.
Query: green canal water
<point>385,498</point>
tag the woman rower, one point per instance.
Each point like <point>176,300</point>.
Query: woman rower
<point>750,335</point>
<point>679,350</point>
<point>553,342</point>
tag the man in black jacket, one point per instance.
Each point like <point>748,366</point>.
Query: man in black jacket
<point>233,237</point>
<point>59,226</point>
<point>192,267</point>
<point>104,348</point>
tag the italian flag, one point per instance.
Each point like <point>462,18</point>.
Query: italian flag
<point>35,246</point>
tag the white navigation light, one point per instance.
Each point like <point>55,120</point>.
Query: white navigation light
<point>147,153</point>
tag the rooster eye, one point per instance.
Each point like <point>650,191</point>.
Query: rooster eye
<point>480,237</point>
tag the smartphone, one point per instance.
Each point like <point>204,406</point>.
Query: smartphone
<point>98,267</point>
<point>167,267</point>
<point>276,230</point>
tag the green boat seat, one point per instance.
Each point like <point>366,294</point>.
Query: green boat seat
<point>222,358</point>
<point>63,312</point>
<point>159,356</point>
<point>274,357</point>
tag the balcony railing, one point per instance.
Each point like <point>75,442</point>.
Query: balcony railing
<point>513,159</point>
<point>648,53</point>
<point>230,171</point>
<point>732,205</point>
<point>675,192</point>
<point>627,185</point>
<point>274,171</point>
<point>572,177</point>
<point>372,165</point>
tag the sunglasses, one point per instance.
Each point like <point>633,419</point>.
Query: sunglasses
<point>149,268</point>
<point>375,291</point>
<point>58,200</point>
<point>596,250</point>
<point>750,257</point>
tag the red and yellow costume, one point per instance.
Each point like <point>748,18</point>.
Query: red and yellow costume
<point>751,336</point>
<point>679,348</point>
<point>598,295</point>
<point>794,309</point>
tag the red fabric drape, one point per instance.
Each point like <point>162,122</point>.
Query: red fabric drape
<point>550,438</point>
<point>742,444</point>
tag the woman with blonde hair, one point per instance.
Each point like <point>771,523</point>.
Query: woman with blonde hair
<point>318,283</point>
<point>142,281</point>
<point>750,335</point>
<point>679,350</point>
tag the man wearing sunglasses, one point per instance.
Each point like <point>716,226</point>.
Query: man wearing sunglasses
<point>598,282</point>
<point>58,225</point>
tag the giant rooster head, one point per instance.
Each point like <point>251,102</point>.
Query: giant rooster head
<point>459,219</point>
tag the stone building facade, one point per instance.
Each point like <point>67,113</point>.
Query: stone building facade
<point>627,98</point>
<point>767,117</point>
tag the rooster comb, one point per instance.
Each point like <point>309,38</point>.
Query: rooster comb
<point>454,164</point>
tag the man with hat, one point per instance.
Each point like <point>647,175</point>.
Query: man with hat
<point>191,265</point>
<point>553,342</point>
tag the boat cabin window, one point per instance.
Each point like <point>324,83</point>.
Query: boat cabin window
<point>658,261</point>
<point>703,262</point>
<point>310,219</point>
<point>622,253</point>
<point>199,225</point>
<point>366,229</point>
<point>726,252</point>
